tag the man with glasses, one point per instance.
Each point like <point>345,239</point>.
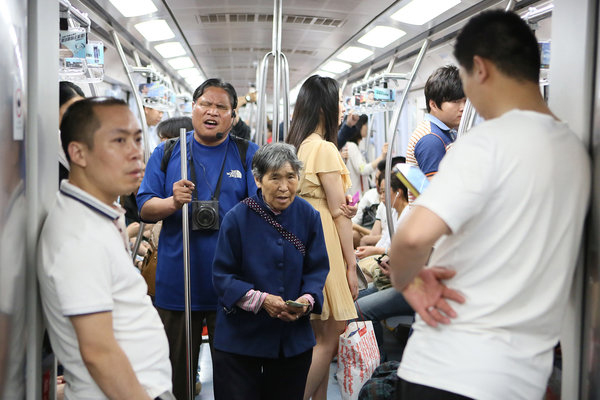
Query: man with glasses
<point>220,176</point>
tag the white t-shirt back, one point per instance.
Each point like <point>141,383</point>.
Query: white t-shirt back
<point>514,192</point>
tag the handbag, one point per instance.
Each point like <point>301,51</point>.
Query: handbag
<point>358,356</point>
<point>369,216</point>
<point>148,270</point>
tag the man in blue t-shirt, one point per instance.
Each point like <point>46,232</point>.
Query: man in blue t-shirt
<point>216,172</point>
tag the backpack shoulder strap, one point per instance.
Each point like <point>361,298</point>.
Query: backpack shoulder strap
<point>169,145</point>
<point>242,145</point>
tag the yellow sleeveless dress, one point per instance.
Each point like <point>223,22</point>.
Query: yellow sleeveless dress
<point>318,156</point>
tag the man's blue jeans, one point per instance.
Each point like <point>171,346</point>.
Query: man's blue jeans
<point>374,305</point>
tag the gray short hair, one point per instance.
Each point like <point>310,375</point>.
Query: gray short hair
<point>271,157</point>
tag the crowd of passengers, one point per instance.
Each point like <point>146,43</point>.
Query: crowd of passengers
<point>276,243</point>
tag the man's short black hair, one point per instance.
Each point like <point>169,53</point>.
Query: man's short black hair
<point>80,121</point>
<point>504,39</point>
<point>219,83</point>
<point>169,128</point>
<point>443,85</point>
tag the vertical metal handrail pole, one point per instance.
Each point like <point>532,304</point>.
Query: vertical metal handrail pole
<point>465,120</point>
<point>93,89</point>
<point>276,49</point>
<point>186,271</point>
<point>254,120</point>
<point>264,105</point>
<point>343,85</point>
<point>393,128</point>
<point>262,101</point>
<point>140,106</point>
<point>286,96</point>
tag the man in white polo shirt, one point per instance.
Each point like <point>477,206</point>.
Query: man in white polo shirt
<point>507,206</point>
<point>101,323</point>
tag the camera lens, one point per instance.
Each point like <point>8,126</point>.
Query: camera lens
<point>205,217</point>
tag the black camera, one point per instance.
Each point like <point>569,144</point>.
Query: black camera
<point>205,215</point>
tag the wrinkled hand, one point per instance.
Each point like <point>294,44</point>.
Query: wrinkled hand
<point>427,295</point>
<point>274,305</point>
<point>352,118</point>
<point>352,281</point>
<point>182,192</point>
<point>294,313</point>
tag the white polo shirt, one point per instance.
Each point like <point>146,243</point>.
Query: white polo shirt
<point>514,192</point>
<point>85,267</point>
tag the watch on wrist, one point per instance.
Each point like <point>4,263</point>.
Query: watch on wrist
<point>248,98</point>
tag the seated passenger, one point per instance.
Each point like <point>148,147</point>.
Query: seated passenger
<point>101,323</point>
<point>371,237</point>
<point>399,196</point>
<point>365,217</point>
<point>381,301</point>
<point>270,249</point>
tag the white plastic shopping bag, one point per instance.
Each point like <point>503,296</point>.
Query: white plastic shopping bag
<point>358,356</point>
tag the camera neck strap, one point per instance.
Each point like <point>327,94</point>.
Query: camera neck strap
<point>215,195</point>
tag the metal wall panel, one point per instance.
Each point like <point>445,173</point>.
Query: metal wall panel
<point>41,149</point>
<point>590,370</point>
<point>13,294</point>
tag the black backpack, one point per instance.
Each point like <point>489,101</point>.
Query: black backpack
<point>242,145</point>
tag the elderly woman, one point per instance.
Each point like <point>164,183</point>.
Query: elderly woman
<point>270,250</point>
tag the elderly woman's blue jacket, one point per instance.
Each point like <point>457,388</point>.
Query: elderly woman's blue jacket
<point>252,254</point>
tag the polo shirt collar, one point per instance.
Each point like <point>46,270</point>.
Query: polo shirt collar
<point>436,121</point>
<point>90,201</point>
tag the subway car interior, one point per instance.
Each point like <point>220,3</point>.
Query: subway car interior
<point>155,53</point>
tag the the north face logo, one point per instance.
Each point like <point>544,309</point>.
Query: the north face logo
<point>234,173</point>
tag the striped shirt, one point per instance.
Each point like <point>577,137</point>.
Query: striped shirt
<point>427,146</point>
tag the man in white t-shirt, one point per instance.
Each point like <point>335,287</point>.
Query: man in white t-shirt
<point>102,325</point>
<point>507,207</point>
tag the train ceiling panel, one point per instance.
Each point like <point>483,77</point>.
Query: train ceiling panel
<point>232,34</point>
<point>228,38</point>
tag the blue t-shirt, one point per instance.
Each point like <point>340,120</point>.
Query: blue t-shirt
<point>237,183</point>
<point>430,149</point>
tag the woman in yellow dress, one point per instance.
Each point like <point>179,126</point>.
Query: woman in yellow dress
<point>323,184</point>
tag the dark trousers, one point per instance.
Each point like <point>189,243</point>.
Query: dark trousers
<point>412,391</point>
<point>238,377</point>
<point>174,322</point>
